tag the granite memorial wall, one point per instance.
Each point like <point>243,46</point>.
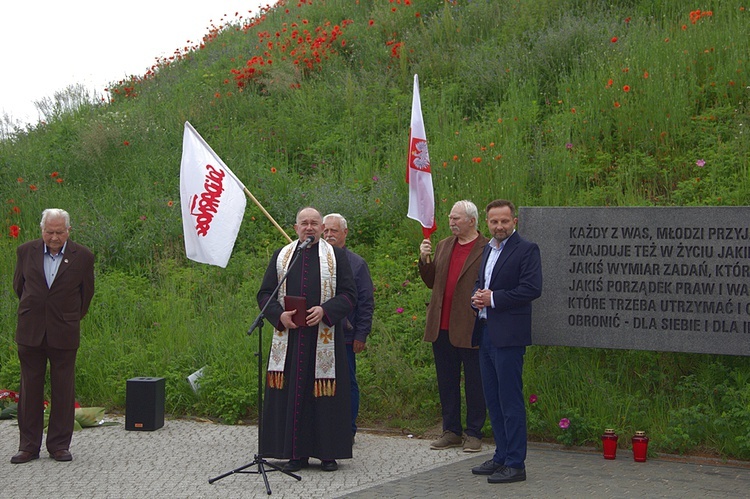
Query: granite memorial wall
<point>665,279</point>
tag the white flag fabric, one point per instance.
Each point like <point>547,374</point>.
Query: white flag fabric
<point>212,200</point>
<point>418,172</point>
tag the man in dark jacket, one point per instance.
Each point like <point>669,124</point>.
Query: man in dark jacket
<point>510,278</point>
<point>359,322</point>
<point>54,281</point>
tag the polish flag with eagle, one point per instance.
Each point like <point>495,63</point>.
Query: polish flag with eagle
<point>418,172</point>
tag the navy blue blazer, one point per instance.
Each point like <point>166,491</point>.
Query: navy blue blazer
<point>515,282</point>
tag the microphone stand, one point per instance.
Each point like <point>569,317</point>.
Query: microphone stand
<point>258,459</point>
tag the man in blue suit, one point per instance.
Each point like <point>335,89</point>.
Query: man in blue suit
<point>510,278</point>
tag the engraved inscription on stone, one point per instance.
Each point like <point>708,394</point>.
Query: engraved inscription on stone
<point>668,279</point>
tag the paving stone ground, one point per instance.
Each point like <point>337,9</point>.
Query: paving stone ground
<point>179,459</point>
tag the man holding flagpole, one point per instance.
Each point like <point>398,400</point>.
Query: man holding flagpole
<point>451,276</point>
<point>307,410</point>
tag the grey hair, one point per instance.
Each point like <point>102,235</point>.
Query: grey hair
<point>54,213</point>
<point>470,209</point>
<point>337,216</point>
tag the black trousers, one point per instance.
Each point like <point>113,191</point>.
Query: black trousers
<point>448,362</point>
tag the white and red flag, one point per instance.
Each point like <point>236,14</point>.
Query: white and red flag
<point>418,173</point>
<point>212,200</point>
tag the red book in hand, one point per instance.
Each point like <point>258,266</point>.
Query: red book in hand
<point>298,303</point>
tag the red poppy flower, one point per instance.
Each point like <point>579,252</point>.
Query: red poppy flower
<point>14,231</point>
<point>626,88</point>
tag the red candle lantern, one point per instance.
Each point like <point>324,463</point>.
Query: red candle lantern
<point>609,444</point>
<point>640,446</point>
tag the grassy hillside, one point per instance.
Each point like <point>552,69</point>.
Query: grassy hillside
<point>545,102</point>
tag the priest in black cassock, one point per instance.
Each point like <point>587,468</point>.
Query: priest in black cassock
<point>307,409</point>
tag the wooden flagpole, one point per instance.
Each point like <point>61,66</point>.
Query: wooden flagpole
<point>247,192</point>
<point>268,215</point>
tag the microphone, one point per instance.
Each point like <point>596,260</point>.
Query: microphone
<point>306,242</point>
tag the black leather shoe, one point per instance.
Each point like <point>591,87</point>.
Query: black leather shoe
<point>331,465</point>
<point>24,457</point>
<point>296,464</point>
<point>508,475</point>
<point>487,468</point>
<point>61,455</point>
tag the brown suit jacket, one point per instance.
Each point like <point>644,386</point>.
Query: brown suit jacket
<point>434,275</point>
<point>56,311</point>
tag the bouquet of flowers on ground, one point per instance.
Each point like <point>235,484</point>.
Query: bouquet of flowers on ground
<point>8,404</point>
<point>85,417</point>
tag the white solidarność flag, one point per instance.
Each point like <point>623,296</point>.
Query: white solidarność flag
<point>418,173</point>
<point>212,200</point>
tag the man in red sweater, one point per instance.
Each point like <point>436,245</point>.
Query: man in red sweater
<point>451,275</point>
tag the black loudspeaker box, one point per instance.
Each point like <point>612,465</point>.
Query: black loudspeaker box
<point>144,404</point>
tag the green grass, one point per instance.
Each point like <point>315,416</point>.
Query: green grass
<point>517,103</point>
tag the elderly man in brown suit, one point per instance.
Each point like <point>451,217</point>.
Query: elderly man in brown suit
<point>54,281</point>
<point>449,324</point>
